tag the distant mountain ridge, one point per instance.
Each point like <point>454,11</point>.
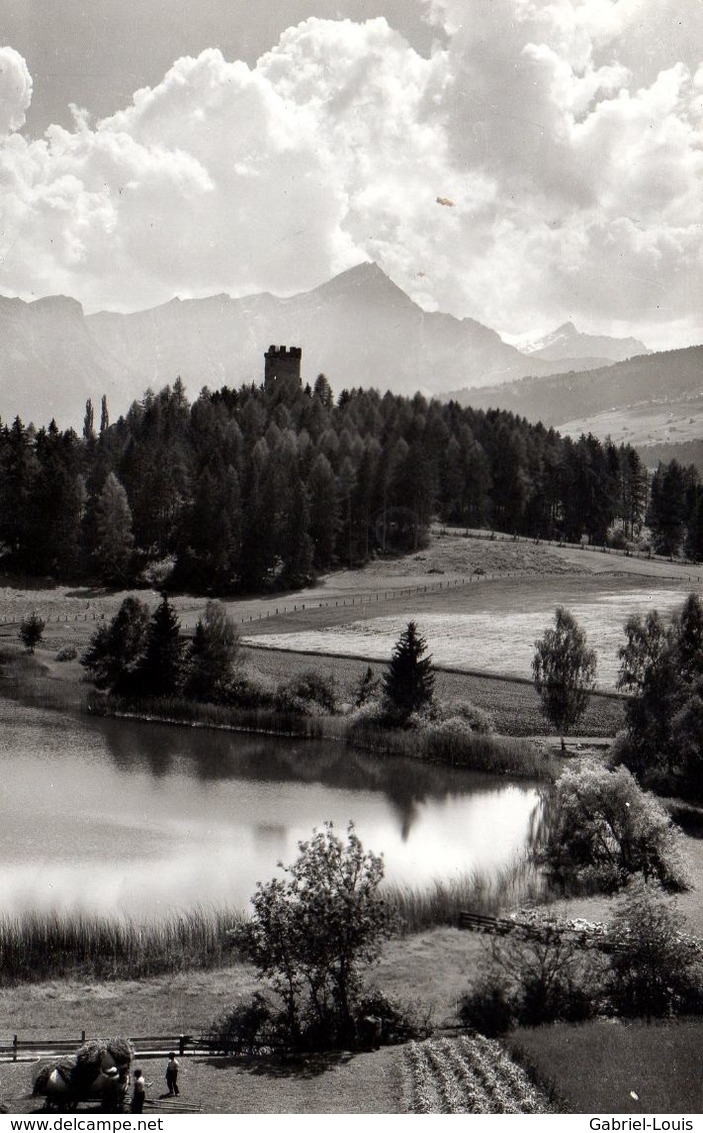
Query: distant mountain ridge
<point>359,328</point>
<point>652,399</point>
<point>566,342</point>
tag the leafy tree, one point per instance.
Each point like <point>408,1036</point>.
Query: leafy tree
<point>116,652</point>
<point>212,655</point>
<point>408,683</point>
<point>655,969</point>
<point>115,541</point>
<point>162,669</point>
<point>564,671</point>
<point>605,828</point>
<point>314,932</point>
<point>31,631</point>
<point>662,666</point>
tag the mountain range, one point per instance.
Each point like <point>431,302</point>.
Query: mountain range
<point>359,328</point>
<point>652,401</point>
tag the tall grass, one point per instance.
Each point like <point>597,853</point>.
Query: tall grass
<point>45,946</point>
<point>517,883</point>
<point>475,751</point>
<point>432,743</point>
<point>42,946</point>
<point>176,710</point>
<point>639,1068</point>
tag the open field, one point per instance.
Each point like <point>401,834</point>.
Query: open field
<point>474,622</point>
<point>618,1067</point>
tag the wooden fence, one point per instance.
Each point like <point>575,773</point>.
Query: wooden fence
<point>145,1046</point>
<point>545,932</point>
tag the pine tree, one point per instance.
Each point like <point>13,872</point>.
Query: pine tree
<point>162,670</point>
<point>408,683</point>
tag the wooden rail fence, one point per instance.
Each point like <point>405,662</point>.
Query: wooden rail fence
<point>545,933</point>
<point>145,1046</point>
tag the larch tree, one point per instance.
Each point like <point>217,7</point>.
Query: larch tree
<point>115,540</point>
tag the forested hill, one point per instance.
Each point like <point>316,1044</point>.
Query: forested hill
<point>263,487</point>
<point>556,399</point>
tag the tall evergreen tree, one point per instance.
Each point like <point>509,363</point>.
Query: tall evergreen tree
<point>408,683</point>
<point>162,670</point>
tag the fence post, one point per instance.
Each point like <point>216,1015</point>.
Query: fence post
<point>14,1048</point>
<point>181,1045</point>
<point>82,1037</point>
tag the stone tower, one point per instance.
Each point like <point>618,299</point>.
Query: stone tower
<point>282,367</point>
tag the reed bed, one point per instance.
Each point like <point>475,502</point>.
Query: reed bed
<point>432,743</point>
<point>176,710</point>
<point>43,946</point>
<point>475,751</point>
<point>516,884</point>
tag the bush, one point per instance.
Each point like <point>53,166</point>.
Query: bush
<point>245,1027</point>
<point>477,718</point>
<point>311,693</point>
<point>68,653</point>
<point>489,1007</point>
<point>314,932</point>
<point>382,1019</point>
<point>604,829</point>
<point>534,981</point>
<point>656,970</point>
<point>157,573</point>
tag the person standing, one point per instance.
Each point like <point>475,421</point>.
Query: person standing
<point>172,1075</point>
<point>139,1092</point>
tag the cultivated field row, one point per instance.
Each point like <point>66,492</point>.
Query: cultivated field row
<point>472,1074</point>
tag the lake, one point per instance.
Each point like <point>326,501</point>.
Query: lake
<point>113,816</point>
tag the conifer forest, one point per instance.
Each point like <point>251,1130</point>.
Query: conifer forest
<point>266,486</point>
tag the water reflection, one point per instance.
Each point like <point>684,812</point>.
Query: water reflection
<point>120,815</point>
<point>213,757</point>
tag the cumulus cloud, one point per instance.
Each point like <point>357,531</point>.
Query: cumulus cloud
<point>15,90</point>
<point>573,163</point>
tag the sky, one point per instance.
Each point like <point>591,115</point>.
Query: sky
<point>519,162</point>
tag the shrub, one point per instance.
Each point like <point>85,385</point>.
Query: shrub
<point>604,829</point>
<point>314,932</point>
<point>245,1027</point>
<point>477,718</point>
<point>383,1019</point>
<point>655,968</point>
<point>311,693</point>
<point>367,688</point>
<point>157,573</point>
<point>489,1007</point>
<point>534,981</point>
<point>67,653</point>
